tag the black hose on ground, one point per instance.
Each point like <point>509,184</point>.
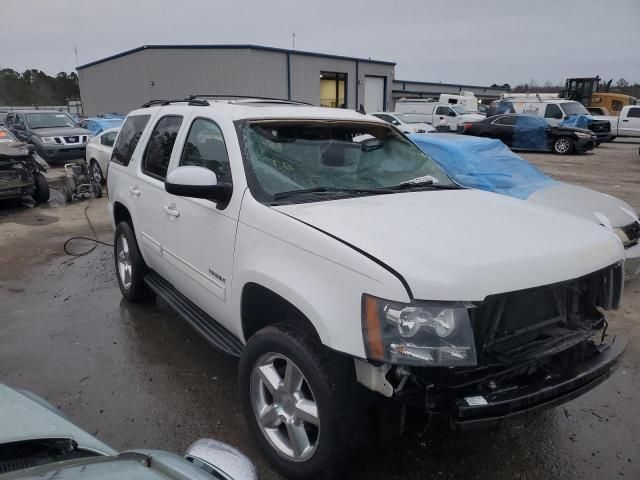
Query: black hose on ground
<point>95,240</point>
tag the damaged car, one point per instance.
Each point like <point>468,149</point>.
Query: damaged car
<point>356,281</point>
<point>489,165</point>
<point>21,171</point>
<point>37,441</point>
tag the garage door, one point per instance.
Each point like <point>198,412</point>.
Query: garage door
<point>373,94</point>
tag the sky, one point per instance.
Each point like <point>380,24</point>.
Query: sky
<point>478,42</point>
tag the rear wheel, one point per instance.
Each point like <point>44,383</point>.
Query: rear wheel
<point>96,172</point>
<point>563,145</point>
<point>130,266</point>
<point>41,192</point>
<point>298,400</point>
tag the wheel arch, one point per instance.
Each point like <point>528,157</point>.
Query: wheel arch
<point>121,214</point>
<point>260,307</point>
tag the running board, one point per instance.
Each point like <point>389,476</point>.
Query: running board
<point>212,331</point>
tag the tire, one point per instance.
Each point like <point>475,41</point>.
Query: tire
<point>327,379</point>
<point>96,172</point>
<point>612,138</point>
<point>563,145</point>
<point>130,266</point>
<point>41,193</point>
<point>96,189</point>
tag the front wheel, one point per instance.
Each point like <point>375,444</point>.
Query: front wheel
<point>298,401</point>
<point>41,192</point>
<point>563,145</point>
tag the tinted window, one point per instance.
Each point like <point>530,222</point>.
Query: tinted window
<point>634,112</point>
<point>108,139</point>
<point>510,120</point>
<point>128,139</point>
<point>9,119</point>
<point>158,153</point>
<point>18,120</point>
<point>205,148</point>
<point>553,111</point>
<point>442,110</point>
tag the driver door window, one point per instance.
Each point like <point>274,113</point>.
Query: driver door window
<point>205,147</point>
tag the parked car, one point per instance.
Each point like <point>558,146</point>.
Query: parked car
<point>55,136</point>
<point>36,441</point>
<point>98,153</point>
<point>531,132</point>
<point>3,116</point>
<point>407,122</point>
<point>353,279</point>
<point>438,113</point>
<point>489,165</point>
<point>21,173</point>
<point>555,110</point>
<point>626,123</point>
<point>98,124</point>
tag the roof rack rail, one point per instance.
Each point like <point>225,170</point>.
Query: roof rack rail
<point>191,101</point>
<point>248,97</point>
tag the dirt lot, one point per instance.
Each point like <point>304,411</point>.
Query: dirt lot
<point>139,377</point>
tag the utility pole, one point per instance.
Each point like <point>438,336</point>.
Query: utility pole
<point>75,49</point>
<point>294,41</point>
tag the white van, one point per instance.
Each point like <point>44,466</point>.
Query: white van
<point>438,112</point>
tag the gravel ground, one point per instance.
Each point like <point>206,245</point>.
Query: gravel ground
<point>139,377</point>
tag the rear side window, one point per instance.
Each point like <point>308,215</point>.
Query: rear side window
<point>634,112</point>
<point>510,120</point>
<point>205,147</point>
<point>108,139</point>
<point>553,111</point>
<point>158,153</point>
<point>128,139</point>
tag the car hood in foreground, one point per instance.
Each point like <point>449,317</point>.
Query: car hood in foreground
<point>586,203</point>
<point>60,132</point>
<point>23,416</point>
<point>465,244</point>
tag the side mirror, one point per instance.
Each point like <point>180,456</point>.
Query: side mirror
<point>396,122</point>
<point>197,182</point>
<point>220,460</point>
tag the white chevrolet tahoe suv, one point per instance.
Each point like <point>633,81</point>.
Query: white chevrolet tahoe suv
<point>358,284</point>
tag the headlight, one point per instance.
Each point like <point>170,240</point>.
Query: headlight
<point>421,333</point>
<point>621,235</point>
<point>47,140</point>
<point>583,135</point>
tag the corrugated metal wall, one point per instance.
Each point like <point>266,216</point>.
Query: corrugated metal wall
<point>124,83</point>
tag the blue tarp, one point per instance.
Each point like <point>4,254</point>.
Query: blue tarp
<point>578,121</point>
<point>483,163</point>
<point>530,133</point>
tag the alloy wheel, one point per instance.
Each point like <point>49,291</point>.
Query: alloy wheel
<point>563,145</point>
<point>285,407</point>
<point>124,262</point>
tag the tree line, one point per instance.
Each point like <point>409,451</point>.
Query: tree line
<point>34,87</point>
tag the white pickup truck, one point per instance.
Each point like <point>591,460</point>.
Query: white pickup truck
<point>439,113</point>
<point>627,124</point>
<point>363,290</point>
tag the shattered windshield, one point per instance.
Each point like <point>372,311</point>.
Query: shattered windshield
<point>352,158</point>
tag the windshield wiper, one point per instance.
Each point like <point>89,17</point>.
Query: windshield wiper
<point>314,190</point>
<point>426,181</point>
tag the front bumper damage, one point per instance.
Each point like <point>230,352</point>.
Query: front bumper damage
<point>469,410</point>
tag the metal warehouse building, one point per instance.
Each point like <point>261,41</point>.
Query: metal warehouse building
<point>123,82</point>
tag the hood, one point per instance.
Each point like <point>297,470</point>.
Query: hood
<point>567,128</point>
<point>24,416</point>
<point>582,202</point>
<point>472,117</point>
<point>463,245</point>
<point>60,131</point>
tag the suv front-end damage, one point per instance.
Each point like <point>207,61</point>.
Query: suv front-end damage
<point>525,350</point>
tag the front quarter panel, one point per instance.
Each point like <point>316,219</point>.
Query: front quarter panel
<point>319,275</point>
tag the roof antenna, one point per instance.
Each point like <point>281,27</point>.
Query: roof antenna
<point>361,109</point>
<point>293,46</point>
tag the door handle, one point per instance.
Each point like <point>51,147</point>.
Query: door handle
<point>625,120</point>
<point>171,210</point>
<point>134,191</point>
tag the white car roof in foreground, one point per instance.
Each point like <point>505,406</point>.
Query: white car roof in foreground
<point>247,110</point>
